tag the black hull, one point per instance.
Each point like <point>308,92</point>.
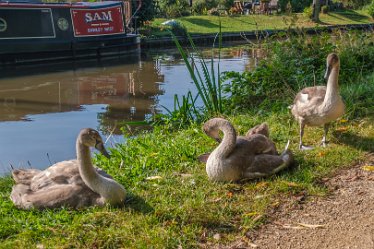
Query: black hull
<point>33,33</point>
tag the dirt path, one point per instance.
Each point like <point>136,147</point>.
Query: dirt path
<point>343,220</point>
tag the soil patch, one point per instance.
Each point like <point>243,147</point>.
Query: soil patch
<point>344,219</point>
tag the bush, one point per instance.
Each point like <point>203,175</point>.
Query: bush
<point>371,9</point>
<point>308,12</point>
<point>146,12</point>
<point>297,62</point>
<point>202,6</point>
<point>297,5</point>
<point>174,8</point>
<point>325,9</point>
<point>356,4</point>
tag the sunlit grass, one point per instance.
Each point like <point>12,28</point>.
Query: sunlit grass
<point>183,207</point>
<point>210,24</point>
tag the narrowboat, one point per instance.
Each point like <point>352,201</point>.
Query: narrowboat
<point>32,31</point>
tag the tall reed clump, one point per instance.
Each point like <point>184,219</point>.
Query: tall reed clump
<point>205,77</point>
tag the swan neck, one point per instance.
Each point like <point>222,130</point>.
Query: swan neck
<point>228,143</point>
<point>332,88</point>
<point>86,169</point>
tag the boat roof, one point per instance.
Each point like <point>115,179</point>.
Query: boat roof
<point>65,4</point>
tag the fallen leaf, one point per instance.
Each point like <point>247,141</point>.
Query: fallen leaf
<point>291,184</point>
<point>310,225</point>
<point>342,129</point>
<point>186,175</point>
<point>262,184</point>
<point>259,196</point>
<point>343,121</point>
<point>217,236</point>
<point>251,214</point>
<point>288,226</point>
<point>150,178</point>
<point>321,154</point>
<point>229,194</point>
<point>153,154</point>
<point>368,167</point>
<point>249,243</point>
<point>275,204</point>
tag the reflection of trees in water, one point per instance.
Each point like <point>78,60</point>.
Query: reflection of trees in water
<point>129,90</point>
<point>136,101</point>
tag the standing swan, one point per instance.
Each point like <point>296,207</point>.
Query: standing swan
<point>238,158</point>
<point>73,183</point>
<point>320,105</point>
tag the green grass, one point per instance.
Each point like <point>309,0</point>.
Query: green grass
<point>184,207</point>
<point>210,24</point>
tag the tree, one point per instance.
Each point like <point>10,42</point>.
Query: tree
<point>316,9</point>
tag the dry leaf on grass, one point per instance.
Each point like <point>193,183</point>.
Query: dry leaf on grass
<point>368,167</point>
<point>251,214</point>
<point>342,129</point>
<point>150,178</point>
<point>310,225</point>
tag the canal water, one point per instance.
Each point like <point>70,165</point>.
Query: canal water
<point>43,107</point>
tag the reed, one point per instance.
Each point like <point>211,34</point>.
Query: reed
<point>206,78</point>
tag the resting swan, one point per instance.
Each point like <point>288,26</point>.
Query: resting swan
<point>74,183</point>
<point>258,129</point>
<point>320,105</point>
<point>238,158</point>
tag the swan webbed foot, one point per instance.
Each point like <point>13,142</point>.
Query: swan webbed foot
<point>324,143</point>
<point>304,147</point>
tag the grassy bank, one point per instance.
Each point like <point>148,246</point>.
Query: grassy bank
<point>172,203</point>
<point>210,24</point>
<point>182,207</point>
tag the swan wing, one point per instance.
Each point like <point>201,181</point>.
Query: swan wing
<point>24,176</point>
<point>54,196</point>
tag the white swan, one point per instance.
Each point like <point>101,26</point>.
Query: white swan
<point>238,158</point>
<point>320,105</point>
<point>73,183</point>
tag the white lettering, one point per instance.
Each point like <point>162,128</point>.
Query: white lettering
<point>97,16</point>
<point>107,16</point>
<point>88,17</point>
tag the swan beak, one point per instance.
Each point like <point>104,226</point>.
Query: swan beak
<point>100,147</point>
<point>328,71</point>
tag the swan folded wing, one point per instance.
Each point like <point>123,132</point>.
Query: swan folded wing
<point>257,144</point>
<point>65,172</point>
<point>59,173</point>
<point>24,176</point>
<point>71,195</point>
<point>258,129</point>
<point>266,165</point>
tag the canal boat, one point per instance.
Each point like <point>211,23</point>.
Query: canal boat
<point>33,31</point>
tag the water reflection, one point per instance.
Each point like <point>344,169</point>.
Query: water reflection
<point>61,99</point>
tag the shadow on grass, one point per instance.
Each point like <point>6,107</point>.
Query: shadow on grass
<point>355,141</point>
<point>137,204</point>
<point>201,22</point>
<point>349,14</point>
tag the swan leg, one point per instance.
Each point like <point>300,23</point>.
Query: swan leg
<point>326,130</point>
<point>301,146</point>
<point>266,165</point>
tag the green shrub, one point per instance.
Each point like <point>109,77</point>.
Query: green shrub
<point>371,9</point>
<point>201,7</point>
<point>356,4</point>
<point>297,5</point>
<point>298,62</point>
<point>308,12</point>
<point>174,8</point>
<point>325,9</point>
